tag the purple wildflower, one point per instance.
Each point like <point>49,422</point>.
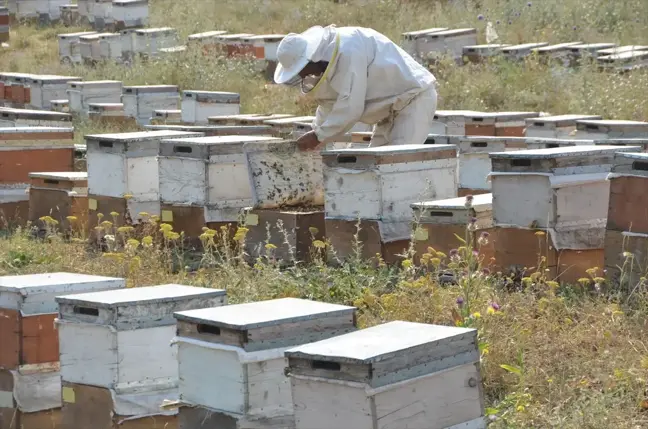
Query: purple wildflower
<point>460,302</point>
<point>497,22</point>
<point>480,17</point>
<point>529,4</point>
<point>485,234</point>
<point>469,198</point>
<point>454,252</point>
<point>473,220</point>
<point>495,306</point>
<point>486,271</point>
<point>475,253</point>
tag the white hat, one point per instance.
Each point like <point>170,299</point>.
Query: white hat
<point>295,51</point>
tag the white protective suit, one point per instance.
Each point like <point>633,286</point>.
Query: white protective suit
<point>373,81</point>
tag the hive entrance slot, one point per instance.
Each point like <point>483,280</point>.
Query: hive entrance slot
<point>328,366</point>
<point>592,127</point>
<point>639,165</point>
<point>87,311</point>
<point>552,145</point>
<point>51,181</point>
<point>538,124</point>
<point>208,329</point>
<point>440,214</point>
<point>366,138</point>
<point>105,144</point>
<point>521,163</point>
<point>347,159</point>
<point>478,144</point>
<point>182,149</point>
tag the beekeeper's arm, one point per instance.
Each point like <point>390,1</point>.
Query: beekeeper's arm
<point>350,82</point>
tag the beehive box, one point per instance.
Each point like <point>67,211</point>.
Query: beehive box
<point>16,89</point>
<point>587,51</point>
<point>109,113</point>
<point>62,106</point>
<point>110,47</point>
<point>502,124</point>
<point>148,41</point>
<point>168,52</point>
<point>44,89</point>
<point>208,41</point>
<point>128,44</point>
<point>217,130</point>
<point>629,60</point>
<point>102,15</point>
<point>14,205</point>
<point>69,49</point>
<point>285,235</point>
<point>85,12</point>
<point>231,359</point>
<point>4,24</point>
<point>411,41</point>
<point>451,122</point>
<point>197,106</point>
<point>449,42</point>
<point>285,126</point>
<point>551,188</point>
<point>49,11</point>
<point>236,119</point>
<point>557,127</point>
<point>80,94</point>
<point>517,52</point>
<point>610,129</point>
<point>621,49</point>
<point>233,43</point>
<point>474,163</point>
<point>438,223</point>
<point>59,195</point>
<point>625,258</point>
<point>167,117</point>
<point>27,10</point>
<point>479,53</point>
<point>125,351</point>
<point>90,48</point>
<point>70,15</point>
<point>399,374</point>
<point>628,208</point>
<point>33,118</point>
<point>130,13</point>
<point>29,149</point>
<point>555,53</point>
<point>141,101</point>
<point>264,46</point>
<point>126,164</point>
<point>28,307</point>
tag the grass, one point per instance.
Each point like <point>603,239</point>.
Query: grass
<point>553,356</point>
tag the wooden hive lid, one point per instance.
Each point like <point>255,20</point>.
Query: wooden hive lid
<point>623,142</point>
<point>264,37</point>
<point>387,353</point>
<point>93,37</point>
<point>36,293</point>
<point>149,31</point>
<point>454,114</point>
<point>54,79</point>
<point>260,119</point>
<point>561,152</point>
<point>69,6</point>
<point>224,119</point>
<point>550,142</point>
<point>204,147</point>
<point>71,176</point>
<point>621,49</point>
<point>453,32</point>
<point>218,96</point>
<point>123,308</point>
<point>289,120</point>
<point>480,203</point>
<point>129,2</point>
<point>547,49</point>
<point>217,130</point>
<point>141,136</point>
<point>234,36</point>
<point>485,47</point>
<point>558,120</point>
<point>91,83</point>
<point>488,143</point>
<point>146,89</point>
<point>75,35</point>
<point>591,47</point>
<point>206,34</point>
<point>268,324</point>
<point>606,125</point>
<point>501,116</point>
<point>419,33</point>
<point>524,47</point>
<point>624,56</point>
<point>8,112</point>
<point>362,157</point>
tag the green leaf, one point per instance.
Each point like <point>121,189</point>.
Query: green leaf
<point>512,369</point>
<point>482,346</point>
<point>460,239</point>
<point>491,411</point>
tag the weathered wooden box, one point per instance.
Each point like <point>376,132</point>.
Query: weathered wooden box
<point>628,207</point>
<point>503,124</point>
<point>148,41</point>
<point>16,89</point>
<point>246,119</point>
<point>80,94</point>
<point>557,127</point>
<point>518,52</point>
<point>587,52</point>
<point>451,122</point>
<point>438,223</point>
<point>28,311</point>
<point>59,195</point>
<point>552,143</point>
<point>121,341</point>
<point>14,205</point>
<point>285,235</point>
<point>128,44</point>
<point>167,117</point>
<point>480,53</point>
<point>141,101</point>
<point>102,15</point>
<point>254,45</point>
<point>4,24</point>
<point>126,164</point>
<point>610,129</point>
<point>69,50</point>
<point>208,41</point>
<point>10,117</point>
<point>233,43</point>
<point>130,13</point>
<point>108,112</point>
<point>44,89</point>
<point>90,48</point>
<point>398,374</point>
<point>231,359</point>
<point>625,256</point>
<point>411,41</point>
<point>449,42</point>
<point>624,61</point>
<point>197,106</point>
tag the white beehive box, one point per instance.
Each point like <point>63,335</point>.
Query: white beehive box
<point>120,339</point>
<point>448,42</point>
<point>141,101</point>
<point>49,11</point>
<point>69,51</point>
<point>60,105</point>
<point>499,122</point>
<point>90,47</point>
<point>264,46</point>
<point>44,89</point>
<point>588,50</point>
<point>231,358</point>
<point>610,129</point>
<point>110,47</point>
<point>128,43</point>
<point>381,183</point>
<point>240,119</point>
<point>563,189</point>
<point>126,164</point>
<point>29,9</point>
<point>130,13</point>
<point>395,375</point>
<point>286,127</point>
<point>450,122</point>
<point>628,60</point>
<point>149,41</point>
<point>641,142</point>
<point>478,53</point>
<point>35,118</point>
<point>558,127</point>
<point>80,94</point>
<point>104,110</point>
<point>453,211</point>
<point>206,38</point>
<point>215,172</point>
<point>621,49</point>
<point>70,14</point>
<point>198,106</point>
<point>552,143</point>
<point>558,52</point>
<point>85,11</point>
<point>411,41</point>
<point>102,14</point>
<point>517,52</point>
<point>167,117</point>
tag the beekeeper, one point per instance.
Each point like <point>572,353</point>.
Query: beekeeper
<point>358,75</point>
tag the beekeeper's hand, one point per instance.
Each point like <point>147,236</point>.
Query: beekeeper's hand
<point>308,141</point>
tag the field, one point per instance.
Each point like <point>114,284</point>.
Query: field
<point>553,356</point>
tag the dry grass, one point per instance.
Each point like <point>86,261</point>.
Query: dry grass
<point>553,357</point>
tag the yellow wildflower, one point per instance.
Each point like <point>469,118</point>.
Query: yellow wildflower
<point>71,218</point>
<point>114,214</point>
<point>313,230</point>
<point>270,246</point>
<point>319,244</point>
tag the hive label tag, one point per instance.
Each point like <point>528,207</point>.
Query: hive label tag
<point>252,219</point>
<point>421,234</point>
<point>167,216</point>
<point>92,204</point>
<point>68,395</point>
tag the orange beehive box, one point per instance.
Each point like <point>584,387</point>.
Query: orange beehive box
<point>59,195</point>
